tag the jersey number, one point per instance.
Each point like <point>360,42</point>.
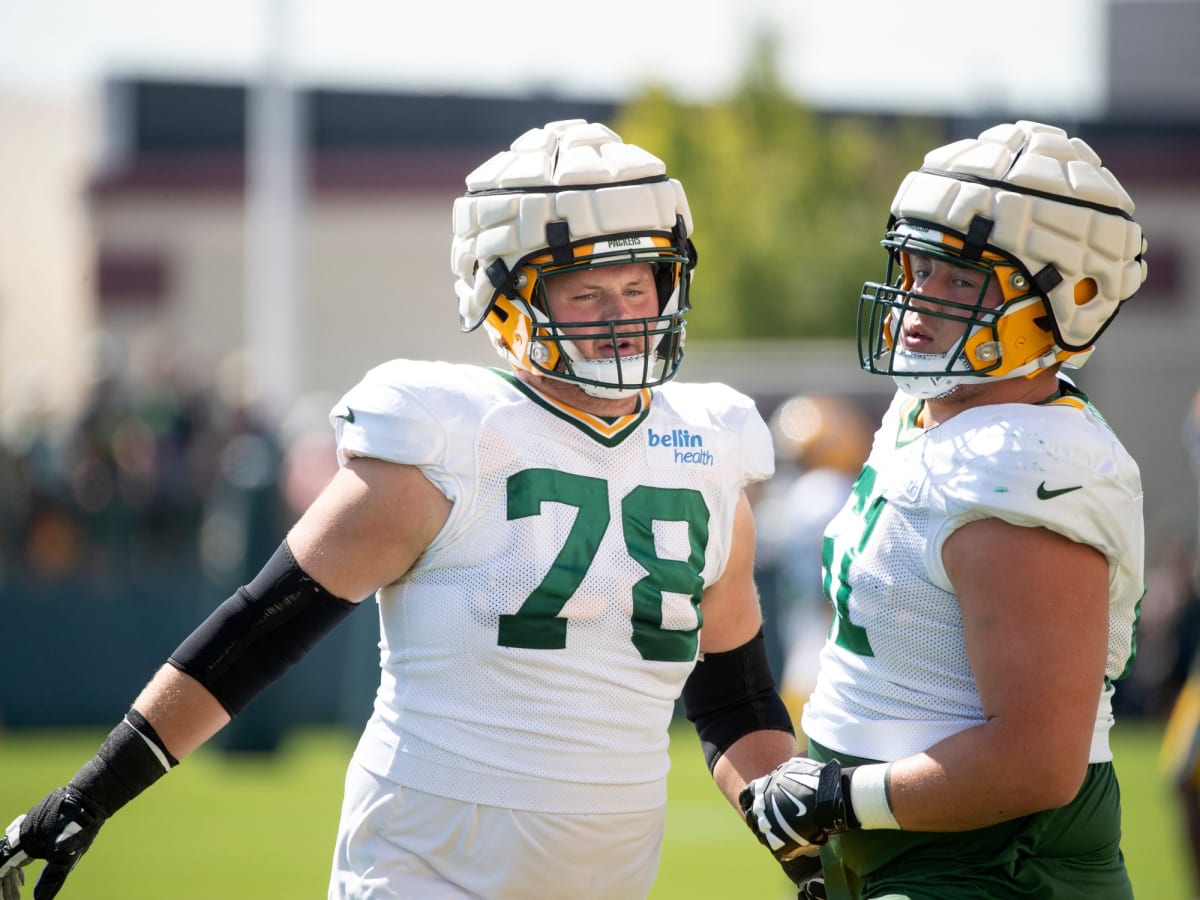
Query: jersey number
<point>537,624</point>
<point>836,557</point>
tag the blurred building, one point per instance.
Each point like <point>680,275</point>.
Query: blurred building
<point>371,265</point>
<point>1153,67</point>
<point>132,256</point>
<point>1152,136</point>
<point>46,308</point>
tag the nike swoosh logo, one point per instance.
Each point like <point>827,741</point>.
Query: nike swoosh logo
<point>346,413</point>
<point>1043,493</point>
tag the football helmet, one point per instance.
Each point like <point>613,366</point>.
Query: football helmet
<point>569,196</point>
<point>1030,208</point>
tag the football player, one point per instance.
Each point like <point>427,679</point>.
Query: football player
<point>985,572</point>
<point>558,550</point>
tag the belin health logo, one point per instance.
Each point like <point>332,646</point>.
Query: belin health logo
<point>683,447</point>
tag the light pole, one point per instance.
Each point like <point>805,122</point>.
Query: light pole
<point>275,202</point>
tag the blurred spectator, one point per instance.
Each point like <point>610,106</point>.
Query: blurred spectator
<point>164,489</point>
<point>127,483</point>
<point>821,442</point>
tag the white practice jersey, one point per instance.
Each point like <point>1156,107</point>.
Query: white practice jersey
<point>532,656</point>
<point>895,678</point>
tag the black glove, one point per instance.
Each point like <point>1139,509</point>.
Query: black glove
<point>799,805</point>
<point>808,876</point>
<point>58,830</point>
<point>62,827</point>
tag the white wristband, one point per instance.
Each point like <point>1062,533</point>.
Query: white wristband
<point>869,797</point>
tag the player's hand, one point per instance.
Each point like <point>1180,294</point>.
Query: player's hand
<point>795,809</point>
<point>58,830</point>
<point>11,860</point>
<point>808,876</point>
<point>10,883</point>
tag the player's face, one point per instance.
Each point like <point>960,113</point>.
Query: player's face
<point>604,294</point>
<point>923,332</point>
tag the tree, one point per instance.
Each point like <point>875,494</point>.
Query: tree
<point>789,204</point>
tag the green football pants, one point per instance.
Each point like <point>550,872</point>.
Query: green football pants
<point>1066,853</point>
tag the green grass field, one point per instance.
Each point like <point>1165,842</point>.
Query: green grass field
<point>246,829</point>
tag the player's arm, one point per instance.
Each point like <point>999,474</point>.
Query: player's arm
<point>1035,620</point>
<point>1034,608</point>
<point>364,530</point>
<point>744,727</point>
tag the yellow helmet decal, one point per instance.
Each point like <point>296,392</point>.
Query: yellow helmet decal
<point>512,329</point>
<point>1021,335</point>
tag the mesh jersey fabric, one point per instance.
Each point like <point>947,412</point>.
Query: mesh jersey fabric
<point>532,656</point>
<point>895,678</point>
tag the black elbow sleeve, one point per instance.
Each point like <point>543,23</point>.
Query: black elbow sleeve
<point>731,694</point>
<point>258,633</point>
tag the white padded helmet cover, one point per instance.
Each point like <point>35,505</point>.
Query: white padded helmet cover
<point>1087,234</point>
<point>491,223</point>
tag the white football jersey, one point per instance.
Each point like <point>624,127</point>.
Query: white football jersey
<point>895,678</point>
<point>532,656</point>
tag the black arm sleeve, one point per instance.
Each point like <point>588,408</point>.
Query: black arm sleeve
<point>258,633</point>
<point>731,694</point>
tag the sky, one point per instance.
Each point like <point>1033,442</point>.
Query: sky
<point>1030,57</point>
